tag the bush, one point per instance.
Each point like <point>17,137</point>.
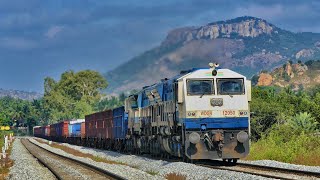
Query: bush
<point>303,122</point>
<point>293,141</point>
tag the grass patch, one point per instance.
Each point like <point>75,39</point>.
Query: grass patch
<point>153,173</point>
<point>174,176</point>
<point>287,147</point>
<point>79,153</point>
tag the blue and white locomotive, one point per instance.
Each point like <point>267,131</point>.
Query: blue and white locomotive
<point>198,114</point>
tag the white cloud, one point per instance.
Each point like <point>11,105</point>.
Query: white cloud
<point>53,31</point>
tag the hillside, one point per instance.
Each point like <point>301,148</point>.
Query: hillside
<point>296,75</point>
<point>20,94</point>
<point>245,44</point>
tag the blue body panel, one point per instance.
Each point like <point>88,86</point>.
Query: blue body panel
<point>120,123</point>
<point>75,129</point>
<point>216,123</point>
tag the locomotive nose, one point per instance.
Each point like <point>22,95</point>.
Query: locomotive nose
<point>242,136</point>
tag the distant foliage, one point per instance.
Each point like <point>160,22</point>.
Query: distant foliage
<point>274,105</point>
<point>303,122</point>
<point>73,96</point>
<point>284,124</point>
<point>109,103</point>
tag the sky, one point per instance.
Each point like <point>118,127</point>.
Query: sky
<point>40,38</point>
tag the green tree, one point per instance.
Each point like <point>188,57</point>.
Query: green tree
<point>73,96</point>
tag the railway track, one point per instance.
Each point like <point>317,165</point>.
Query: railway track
<point>259,170</point>
<point>264,171</point>
<point>67,168</point>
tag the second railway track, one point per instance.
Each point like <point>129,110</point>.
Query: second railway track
<point>264,171</point>
<point>67,168</point>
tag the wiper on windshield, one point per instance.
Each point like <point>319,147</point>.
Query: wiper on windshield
<point>204,92</point>
<point>230,95</point>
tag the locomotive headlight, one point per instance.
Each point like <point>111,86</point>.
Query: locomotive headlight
<point>214,72</point>
<point>194,138</point>
<point>242,136</point>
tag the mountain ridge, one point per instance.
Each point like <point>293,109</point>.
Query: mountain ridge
<point>245,44</point>
<point>18,94</point>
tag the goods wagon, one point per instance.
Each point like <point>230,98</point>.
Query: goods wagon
<point>47,131</point>
<point>37,131</point>
<point>75,131</point>
<point>75,127</point>
<point>83,130</point>
<point>42,131</point>
<point>98,128</point>
<point>59,131</point>
<point>120,123</point>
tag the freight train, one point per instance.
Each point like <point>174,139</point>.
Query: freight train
<point>198,114</point>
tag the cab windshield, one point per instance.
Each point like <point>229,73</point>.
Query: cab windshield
<point>230,86</point>
<point>199,87</point>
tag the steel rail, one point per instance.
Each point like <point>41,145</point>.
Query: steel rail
<point>260,170</point>
<point>216,164</point>
<point>83,164</point>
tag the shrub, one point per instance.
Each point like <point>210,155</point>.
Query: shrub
<point>303,122</point>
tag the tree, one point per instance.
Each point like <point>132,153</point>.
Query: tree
<point>73,96</point>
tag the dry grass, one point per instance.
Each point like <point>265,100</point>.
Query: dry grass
<point>311,159</point>
<point>174,176</point>
<point>153,173</point>
<point>303,150</point>
<point>79,154</point>
<point>5,164</point>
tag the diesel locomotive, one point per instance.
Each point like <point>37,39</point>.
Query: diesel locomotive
<point>198,114</point>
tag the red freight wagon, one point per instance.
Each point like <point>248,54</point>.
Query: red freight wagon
<point>37,131</point>
<point>59,130</point>
<point>83,130</point>
<point>99,125</point>
<point>42,131</point>
<point>47,131</point>
<point>108,119</point>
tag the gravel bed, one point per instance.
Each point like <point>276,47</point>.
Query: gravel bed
<point>162,168</point>
<point>26,166</point>
<point>121,170</point>
<point>278,164</point>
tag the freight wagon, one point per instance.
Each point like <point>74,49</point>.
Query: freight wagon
<point>76,130</point>
<point>120,126</point>
<point>59,131</point>
<point>98,128</point>
<point>37,131</point>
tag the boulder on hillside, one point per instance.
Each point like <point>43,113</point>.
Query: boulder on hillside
<point>265,79</point>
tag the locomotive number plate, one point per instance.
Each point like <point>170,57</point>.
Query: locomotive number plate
<point>230,113</point>
<point>205,113</point>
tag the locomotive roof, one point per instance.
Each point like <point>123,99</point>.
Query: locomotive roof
<point>196,73</point>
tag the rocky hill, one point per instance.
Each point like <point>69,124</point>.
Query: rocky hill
<point>245,44</point>
<point>20,94</point>
<point>296,75</point>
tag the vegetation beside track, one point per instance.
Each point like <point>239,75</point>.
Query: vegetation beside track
<point>285,125</point>
<point>6,163</point>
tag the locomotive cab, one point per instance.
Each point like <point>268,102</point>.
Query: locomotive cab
<point>214,111</point>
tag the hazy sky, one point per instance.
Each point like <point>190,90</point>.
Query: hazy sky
<point>40,38</point>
